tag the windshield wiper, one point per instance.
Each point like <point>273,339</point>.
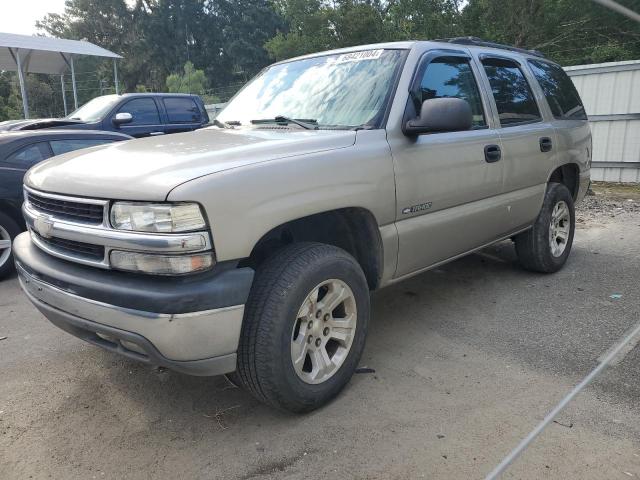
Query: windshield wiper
<point>307,123</point>
<point>229,124</point>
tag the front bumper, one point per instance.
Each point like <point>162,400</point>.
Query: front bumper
<point>190,324</point>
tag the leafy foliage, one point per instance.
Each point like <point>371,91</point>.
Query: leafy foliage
<point>192,81</point>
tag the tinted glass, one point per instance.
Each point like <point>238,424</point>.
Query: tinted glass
<point>63,146</point>
<point>512,93</point>
<point>182,110</point>
<point>27,156</point>
<point>450,77</point>
<point>559,91</point>
<point>143,111</point>
<point>337,91</point>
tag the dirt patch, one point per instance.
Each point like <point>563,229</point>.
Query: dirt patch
<point>606,201</point>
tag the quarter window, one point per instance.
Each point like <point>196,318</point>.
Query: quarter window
<point>559,91</point>
<point>27,156</point>
<point>452,77</point>
<point>182,110</point>
<point>63,146</point>
<point>512,93</point>
<point>143,110</point>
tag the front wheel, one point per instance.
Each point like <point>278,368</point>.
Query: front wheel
<point>304,328</point>
<point>546,246</point>
<point>9,229</point>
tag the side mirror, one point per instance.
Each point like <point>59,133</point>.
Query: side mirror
<point>441,115</point>
<point>122,118</point>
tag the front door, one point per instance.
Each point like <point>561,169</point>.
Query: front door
<point>145,118</point>
<point>448,185</point>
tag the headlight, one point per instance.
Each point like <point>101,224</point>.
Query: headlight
<point>161,264</point>
<point>157,217</point>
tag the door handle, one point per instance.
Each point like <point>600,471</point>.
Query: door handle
<point>546,144</point>
<point>492,153</point>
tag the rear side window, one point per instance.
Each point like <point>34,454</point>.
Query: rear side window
<point>29,155</point>
<point>559,91</point>
<point>63,146</point>
<point>514,98</point>
<point>452,77</point>
<point>182,110</point>
<point>143,110</point>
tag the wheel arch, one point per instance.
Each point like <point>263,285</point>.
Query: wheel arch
<point>568,175</point>
<point>13,212</point>
<point>354,229</point>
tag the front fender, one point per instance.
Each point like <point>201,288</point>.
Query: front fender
<point>245,203</point>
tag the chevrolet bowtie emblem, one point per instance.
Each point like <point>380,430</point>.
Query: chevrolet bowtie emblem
<point>43,226</point>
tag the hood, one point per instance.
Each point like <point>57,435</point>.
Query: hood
<point>38,123</point>
<point>149,168</point>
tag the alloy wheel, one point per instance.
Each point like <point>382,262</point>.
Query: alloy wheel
<point>559,229</point>
<point>323,332</point>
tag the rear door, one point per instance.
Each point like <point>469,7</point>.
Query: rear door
<point>526,134</point>
<point>573,136</point>
<point>183,114</point>
<point>447,188</point>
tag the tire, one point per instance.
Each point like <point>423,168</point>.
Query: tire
<point>9,229</point>
<point>280,316</point>
<point>535,247</point>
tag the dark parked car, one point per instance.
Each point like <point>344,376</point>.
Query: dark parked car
<point>19,151</point>
<point>136,114</point>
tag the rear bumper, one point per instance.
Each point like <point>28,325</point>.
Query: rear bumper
<point>193,340</point>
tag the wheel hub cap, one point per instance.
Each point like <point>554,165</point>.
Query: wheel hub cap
<point>5,246</point>
<point>559,228</point>
<point>323,331</point>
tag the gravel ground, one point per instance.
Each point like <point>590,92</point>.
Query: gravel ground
<point>468,358</point>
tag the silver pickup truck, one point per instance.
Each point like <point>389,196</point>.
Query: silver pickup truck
<point>249,248</point>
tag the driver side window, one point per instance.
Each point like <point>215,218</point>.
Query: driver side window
<point>452,77</point>
<point>143,110</point>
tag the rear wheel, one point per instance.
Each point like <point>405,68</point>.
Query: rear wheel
<point>304,328</point>
<point>546,246</point>
<point>9,229</point>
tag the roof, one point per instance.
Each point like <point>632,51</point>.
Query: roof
<point>463,42</point>
<point>607,67</point>
<point>44,54</point>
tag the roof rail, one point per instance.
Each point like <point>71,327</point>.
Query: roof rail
<point>483,43</point>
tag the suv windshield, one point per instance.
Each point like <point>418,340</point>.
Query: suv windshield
<point>94,109</point>
<point>333,91</point>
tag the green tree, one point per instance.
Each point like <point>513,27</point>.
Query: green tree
<point>314,25</point>
<point>191,81</point>
<point>569,31</point>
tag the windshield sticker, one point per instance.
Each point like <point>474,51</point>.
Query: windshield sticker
<point>359,56</point>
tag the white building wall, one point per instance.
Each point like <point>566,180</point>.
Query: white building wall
<point>611,96</point>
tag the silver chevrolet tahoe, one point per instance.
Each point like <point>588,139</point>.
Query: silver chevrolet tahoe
<point>249,248</point>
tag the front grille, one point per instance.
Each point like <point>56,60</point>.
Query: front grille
<point>71,247</point>
<point>68,210</point>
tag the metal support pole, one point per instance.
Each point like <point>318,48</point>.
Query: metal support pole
<point>115,75</point>
<point>64,96</point>
<point>616,7</point>
<point>73,82</point>
<point>23,88</point>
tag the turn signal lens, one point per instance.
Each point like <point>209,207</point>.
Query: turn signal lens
<point>161,264</point>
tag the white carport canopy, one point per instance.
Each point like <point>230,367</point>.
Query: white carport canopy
<point>24,54</point>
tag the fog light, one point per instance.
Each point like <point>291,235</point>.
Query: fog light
<point>161,264</point>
